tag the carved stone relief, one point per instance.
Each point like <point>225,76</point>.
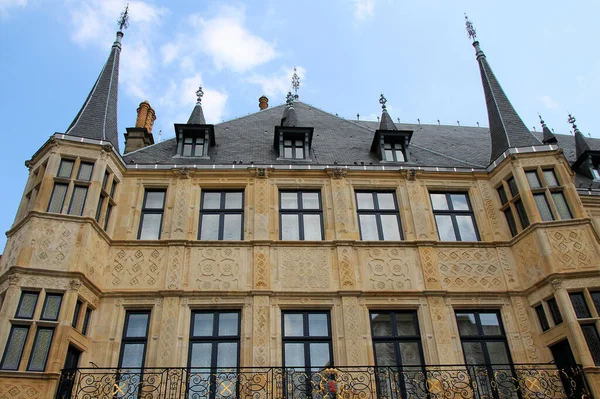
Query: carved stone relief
<point>260,331</point>
<point>182,198</point>
<point>470,269</point>
<point>352,330</point>
<point>430,269</point>
<point>217,268</point>
<point>571,248</point>
<point>418,206</point>
<point>17,241</point>
<point>490,208</point>
<point>136,268</point>
<point>346,268</point>
<point>303,268</point>
<point>262,268</point>
<point>176,255</point>
<point>53,244</point>
<point>341,205</point>
<point>443,338</point>
<point>168,330</point>
<point>20,390</point>
<point>524,329</point>
<point>529,262</point>
<point>389,269</point>
<point>261,207</point>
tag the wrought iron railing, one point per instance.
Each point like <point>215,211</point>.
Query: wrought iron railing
<point>522,381</point>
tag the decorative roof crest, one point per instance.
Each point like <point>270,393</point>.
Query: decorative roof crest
<point>541,120</point>
<point>470,29</point>
<point>572,121</point>
<point>382,101</point>
<point>289,99</point>
<point>123,20</point>
<point>295,83</point>
<point>199,95</point>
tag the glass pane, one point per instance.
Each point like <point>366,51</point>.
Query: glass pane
<point>290,227</point>
<point>490,323</point>
<point>439,202</point>
<point>293,325</point>
<point>188,140</point>
<point>150,226</point>
<point>510,219</point>
<point>227,354</point>
<point>410,353</point>
<point>399,155</point>
<point>368,227</point>
<point>542,205</point>
<point>86,321</point>
<point>233,200</point>
<point>561,205</point>
<point>228,324</point>
<point>133,356</point>
<point>287,152</point>
<point>389,155</point>
<point>312,227</point>
<point>473,353</point>
<point>555,311</point>
<point>51,307</point>
<point>532,178</point>
<point>581,309</point>
<point>203,324</point>
<point>459,202</point>
<point>522,214</point>
<point>294,355</point>
<point>365,201</point>
<point>390,227</point>
<point>298,143</point>
<point>542,317</point>
<point>445,227</point>
<point>14,348</point>
<point>212,201</point>
<point>299,153</point>
<point>76,313</point>
<point>287,143</point>
<point>512,185</point>
<point>187,150</point>
<point>502,195</point>
<point>58,198</point>
<point>466,324</point>
<point>201,355</point>
<point>154,199</point>
<point>232,227</point>
<point>199,150</point>
<point>317,325</point>
<point>289,200</point>
<point>107,217</point>
<point>77,200</point>
<point>466,228</point>
<point>385,354</point>
<point>40,350</point>
<point>27,306</point>
<point>66,168</point>
<point>550,177</point>
<point>85,171</point>
<point>210,227</point>
<point>593,341</point>
<point>596,300</point>
<point>310,201</point>
<point>405,324</point>
<point>319,356</point>
<point>137,325</point>
<point>387,146</point>
<point>497,353</point>
<point>386,201</point>
<point>381,324</point>
<point>112,188</point>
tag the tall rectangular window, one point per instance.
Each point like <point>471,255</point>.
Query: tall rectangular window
<point>539,310</point>
<point>85,171</point>
<point>554,311</point>
<point>41,348</point>
<point>78,200</point>
<point>27,305</point>
<point>65,170</point>
<point>300,215</point>
<point>152,214</point>
<point>548,194</point>
<point>51,307</point>
<point>57,198</point>
<point>221,215</point>
<point>378,216</point>
<point>133,352</point>
<point>86,321</point>
<point>14,347</point>
<point>579,305</point>
<point>76,313</point>
<point>454,217</point>
<point>593,341</point>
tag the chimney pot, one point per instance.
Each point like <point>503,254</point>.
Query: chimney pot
<point>145,116</point>
<point>263,102</point>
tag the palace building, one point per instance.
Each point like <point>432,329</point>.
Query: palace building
<point>292,253</point>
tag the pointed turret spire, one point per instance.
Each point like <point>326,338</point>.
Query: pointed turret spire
<point>97,118</point>
<point>507,130</point>
<point>197,116</point>
<point>581,144</point>
<point>386,120</point>
<point>548,137</point>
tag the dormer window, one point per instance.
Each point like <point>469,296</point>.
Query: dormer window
<point>293,143</point>
<point>194,140</point>
<point>293,149</point>
<point>393,151</point>
<point>193,146</point>
<point>391,145</point>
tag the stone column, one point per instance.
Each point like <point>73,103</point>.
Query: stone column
<point>9,308</point>
<point>261,205</point>
<point>47,184</point>
<point>526,195</point>
<point>181,207</point>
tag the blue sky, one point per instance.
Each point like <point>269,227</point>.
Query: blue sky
<point>347,52</point>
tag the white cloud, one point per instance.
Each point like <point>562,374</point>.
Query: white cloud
<point>364,9</point>
<point>6,5</point>
<point>549,102</point>
<point>280,83</point>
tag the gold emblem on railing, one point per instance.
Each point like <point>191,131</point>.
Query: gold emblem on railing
<point>434,385</point>
<point>118,388</point>
<point>331,385</point>
<point>533,384</point>
<point>225,388</point>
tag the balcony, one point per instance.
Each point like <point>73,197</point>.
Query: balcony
<point>519,381</point>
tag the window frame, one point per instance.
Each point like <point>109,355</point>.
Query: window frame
<point>134,340</point>
<point>482,337</point>
<point>454,213</point>
<point>23,293</point>
<point>48,349</point>
<point>8,341</point>
<point>542,318</point>
<point>395,338</point>
<point>300,211</point>
<point>76,313</point>
<point>194,145</point>
<point>555,312</point>
<point>222,211</point>
<point>377,212</point>
<point>294,147</point>
<point>387,140</point>
<point>305,338</point>
<point>86,320</point>
<point>153,211</point>
<point>52,294</point>
<point>214,339</point>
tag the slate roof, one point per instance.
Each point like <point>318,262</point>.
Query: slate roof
<point>97,118</point>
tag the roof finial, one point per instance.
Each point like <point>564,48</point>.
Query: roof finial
<point>295,83</point>
<point>382,101</point>
<point>542,120</point>
<point>572,121</point>
<point>199,95</point>
<point>289,99</point>
<point>470,29</point>
<point>124,19</point>
<point>357,117</point>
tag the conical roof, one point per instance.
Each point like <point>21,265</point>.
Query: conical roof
<point>386,120</point>
<point>197,116</point>
<point>548,137</point>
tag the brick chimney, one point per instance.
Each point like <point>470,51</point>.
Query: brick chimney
<point>263,102</point>
<point>140,136</point>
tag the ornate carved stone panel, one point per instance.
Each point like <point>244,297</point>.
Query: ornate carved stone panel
<point>181,208</point>
<point>473,269</point>
<point>341,205</point>
<point>304,268</point>
<point>261,209</point>
<point>524,325</point>
<point>168,331</point>
<point>355,348</point>
<point>490,208</point>
<point>262,268</point>
<point>217,268</point>
<point>15,243</point>
<point>175,266</point>
<point>346,266</point>
<point>431,271</point>
<point>443,337</point>
<point>21,389</point>
<point>571,248</point>
<point>529,262</point>
<point>260,331</point>
<point>140,268</point>
<point>93,258</point>
<point>53,244</point>
<point>418,206</point>
<point>389,268</point>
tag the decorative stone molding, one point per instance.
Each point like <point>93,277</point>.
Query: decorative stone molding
<point>337,173</point>
<point>556,284</point>
<point>14,280</point>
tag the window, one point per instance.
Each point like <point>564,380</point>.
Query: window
<point>306,349</point>
<point>539,310</point>
<point>76,313</point>
<point>86,321</point>
<point>78,200</point>
<point>27,305</point>
<point>57,198</point>
<point>152,215</point>
<point>106,200</point>
<point>293,149</point>
<point>595,295</point>
<point>393,152</point>
<point>51,307</point>
<point>65,170</point>
<point>396,344</point>
<point>31,190</point>
<point>293,142</point>
<point>221,215</point>
<point>300,215</point>
<point>378,216</point>
<point>579,304</point>
<point>593,341</point>
<point>512,205</point>
<point>193,146</point>
<point>214,344</point>
<point>76,187</point>
<point>14,347</point>
<point>586,304</point>
<point>41,348</point>
<point>454,217</point>
<point>554,311</point>
<point>133,350</point>
<point>548,194</point>
<point>391,145</point>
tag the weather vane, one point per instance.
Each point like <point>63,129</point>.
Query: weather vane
<point>199,95</point>
<point>124,19</point>
<point>289,99</point>
<point>382,101</point>
<point>295,83</point>
<point>542,120</point>
<point>470,29</point>
<point>572,121</point>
